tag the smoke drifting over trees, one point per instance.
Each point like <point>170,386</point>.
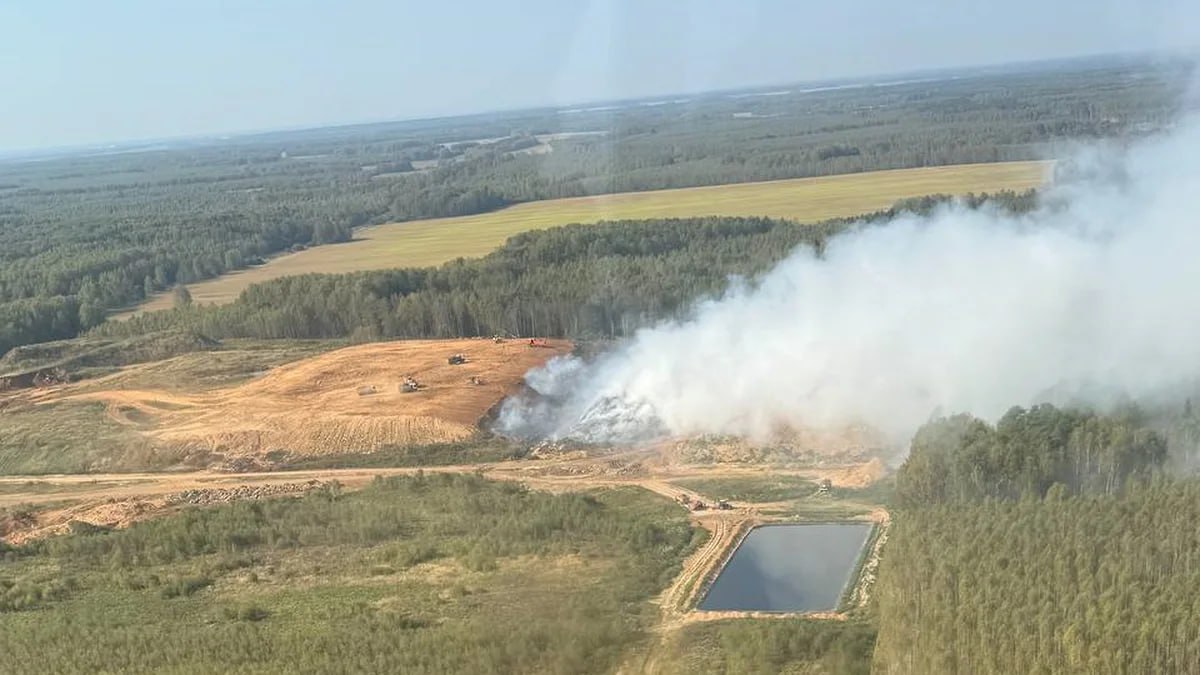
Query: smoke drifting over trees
<point>1088,298</point>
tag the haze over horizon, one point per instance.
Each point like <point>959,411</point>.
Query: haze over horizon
<point>83,73</point>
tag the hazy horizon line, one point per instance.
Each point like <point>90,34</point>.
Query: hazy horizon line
<point>35,152</point>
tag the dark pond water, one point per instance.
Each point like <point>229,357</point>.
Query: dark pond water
<point>789,568</point>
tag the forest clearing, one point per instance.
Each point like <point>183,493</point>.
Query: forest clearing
<point>356,399</point>
<point>434,241</point>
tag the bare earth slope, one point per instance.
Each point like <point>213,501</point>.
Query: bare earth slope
<point>349,400</point>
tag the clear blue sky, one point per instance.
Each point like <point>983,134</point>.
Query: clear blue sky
<point>85,71</point>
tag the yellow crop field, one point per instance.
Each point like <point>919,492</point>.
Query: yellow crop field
<point>435,241</point>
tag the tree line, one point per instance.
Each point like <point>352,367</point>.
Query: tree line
<point>1028,452</point>
<point>583,281</point>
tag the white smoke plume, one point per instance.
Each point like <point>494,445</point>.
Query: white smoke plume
<point>1094,295</point>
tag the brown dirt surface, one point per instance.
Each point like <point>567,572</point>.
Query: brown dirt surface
<point>115,513</point>
<point>348,400</point>
<point>805,446</point>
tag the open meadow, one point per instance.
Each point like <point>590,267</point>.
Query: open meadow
<point>434,241</point>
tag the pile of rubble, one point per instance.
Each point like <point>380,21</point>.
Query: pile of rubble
<point>610,468</point>
<point>205,496</point>
<point>547,450</point>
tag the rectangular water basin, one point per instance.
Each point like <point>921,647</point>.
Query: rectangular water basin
<point>789,568</point>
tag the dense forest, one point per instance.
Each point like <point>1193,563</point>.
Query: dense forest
<point>83,234</point>
<point>581,281</point>
<point>1050,542</point>
<point>1069,584</point>
<point>1027,453</point>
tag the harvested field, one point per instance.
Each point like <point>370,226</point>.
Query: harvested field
<point>435,241</point>
<point>348,400</point>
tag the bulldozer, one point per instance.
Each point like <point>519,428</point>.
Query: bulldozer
<point>49,378</point>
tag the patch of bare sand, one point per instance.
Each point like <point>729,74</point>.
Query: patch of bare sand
<point>349,400</point>
<point>111,514</point>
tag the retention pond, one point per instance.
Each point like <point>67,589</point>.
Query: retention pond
<point>789,568</point>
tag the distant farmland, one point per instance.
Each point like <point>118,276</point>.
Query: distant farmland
<point>435,241</point>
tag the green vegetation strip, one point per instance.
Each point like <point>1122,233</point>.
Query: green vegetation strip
<point>765,488</point>
<point>770,646</point>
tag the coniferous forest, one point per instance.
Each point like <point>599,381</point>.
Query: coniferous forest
<point>1052,542</point>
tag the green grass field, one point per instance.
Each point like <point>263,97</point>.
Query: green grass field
<point>752,489</point>
<point>432,242</point>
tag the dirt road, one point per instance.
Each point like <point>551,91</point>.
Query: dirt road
<point>576,474</point>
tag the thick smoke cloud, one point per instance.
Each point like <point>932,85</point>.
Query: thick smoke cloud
<point>1092,297</point>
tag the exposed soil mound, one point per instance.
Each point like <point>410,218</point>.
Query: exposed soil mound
<point>349,400</point>
<point>795,446</point>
